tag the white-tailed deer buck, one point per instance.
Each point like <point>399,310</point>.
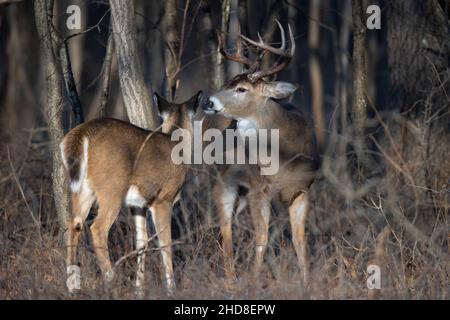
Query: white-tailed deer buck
<point>115,163</point>
<point>253,103</point>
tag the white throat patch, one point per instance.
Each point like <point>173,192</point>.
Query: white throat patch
<point>247,123</point>
<point>217,105</point>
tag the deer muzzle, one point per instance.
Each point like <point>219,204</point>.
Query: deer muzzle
<point>212,106</point>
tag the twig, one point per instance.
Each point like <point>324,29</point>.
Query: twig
<point>95,26</point>
<point>106,73</point>
<point>143,250</point>
<point>183,27</point>
<point>21,192</point>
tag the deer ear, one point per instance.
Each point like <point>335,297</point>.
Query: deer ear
<point>279,89</point>
<point>156,100</point>
<point>196,100</point>
<point>160,103</point>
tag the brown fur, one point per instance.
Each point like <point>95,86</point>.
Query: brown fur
<point>298,163</point>
<point>121,155</point>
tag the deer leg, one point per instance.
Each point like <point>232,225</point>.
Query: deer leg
<point>260,212</point>
<point>298,212</point>
<point>140,222</point>
<point>225,198</point>
<point>107,214</point>
<point>162,216</point>
<point>81,204</point>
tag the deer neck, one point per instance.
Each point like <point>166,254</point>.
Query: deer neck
<point>179,120</point>
<point>267,117</point>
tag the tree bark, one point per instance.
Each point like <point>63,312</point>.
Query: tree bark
<point>21,71</point>
<point>209,43</point>
<point>218,60</point>
<point>343,75</point>
<point>136,96</point>
<point>106,74</point>
<point>69,82</point>
<point>315,73</point>
<point>273,13</point>
<point>172,47</point>
<point>243,17</point>
<point>359,107</point>
<point>54,103</point>
<point>418,54</point>
<point>217,73</point>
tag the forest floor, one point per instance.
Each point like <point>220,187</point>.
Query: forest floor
<point>345,237</point>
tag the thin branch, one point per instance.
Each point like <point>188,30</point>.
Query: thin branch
<point>106,74</point>
<point>95,26</point>
<point>19,186</point>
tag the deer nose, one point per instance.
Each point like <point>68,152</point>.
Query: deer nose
<point>213,106</point>
<point>208,105</point>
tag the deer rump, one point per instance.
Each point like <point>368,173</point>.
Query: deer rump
<point>109,156</point>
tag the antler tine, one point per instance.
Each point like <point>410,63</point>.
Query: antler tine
<point>285,55</point>
<point>283,35</point>
<point>260,38</point>
<point>281,63</point>
<point>259,55</point>
<point>281,51</point>
<point>238,57</point>
<point>292,39</point>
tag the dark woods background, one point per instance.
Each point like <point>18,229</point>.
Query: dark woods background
<point>380,104</point>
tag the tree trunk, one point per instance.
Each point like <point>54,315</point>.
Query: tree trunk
<point>54,103</point>
<point>21,71</point>
<point>418,53</point>
<point>217,73</point>
<point>135,94</point>
<point>243,17</point>
<point>359,108</point>
<point>172,47</point>
<point>273,13</point>
<point>69,81</point>
<point>343,84</point>
<point>315,73</point>
<point>418,60</point>
<point>218,60</point>
<point>106,74</point>
<point>207,28</point>
<point>77,45</point>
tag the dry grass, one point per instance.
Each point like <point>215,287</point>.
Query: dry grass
<point>381,220</point>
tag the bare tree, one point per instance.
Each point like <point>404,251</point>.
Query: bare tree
<point>43,11</point>
<point>419,78</point>
<point>211,42</point>
<point>273,13</point>
<point>106,74</point>
<point>68,76</point>
<point>315,72</point>
<point>359,108</point>
<point>20,84</point>
<point>219,61</point>
<point>135,94</point>
<point>243,17</point>
<point>418,53</point>
<point>342,66</point>
<point>172,50</point>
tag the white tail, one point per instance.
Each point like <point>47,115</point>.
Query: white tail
<point>114,163</point>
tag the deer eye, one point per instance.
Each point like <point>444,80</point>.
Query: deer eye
<point>241,89</point>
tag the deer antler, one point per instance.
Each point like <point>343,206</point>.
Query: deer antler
<point>236,57</point>
<point>281,63</point>
<point>285,55</point>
